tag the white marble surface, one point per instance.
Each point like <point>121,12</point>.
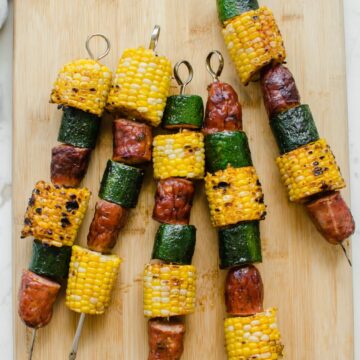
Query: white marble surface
<point>352,30</point>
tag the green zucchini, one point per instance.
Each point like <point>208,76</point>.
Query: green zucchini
<point>183,111</point>
<point>240,244</point>
<point>50,261</point>
<point>227,148</point>
<point>294,128</point>
<point>175,243</point>
<point>121,184</point>
<point>78,128</point>
<point>227,9</point>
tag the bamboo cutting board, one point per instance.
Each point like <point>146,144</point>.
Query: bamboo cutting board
<point>307,279</point>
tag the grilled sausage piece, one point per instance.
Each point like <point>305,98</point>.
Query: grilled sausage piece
<point>279,89</point>
<point>108,219</point>
<point>332,217</point>
<point>165,339</point>
<point>173,201</point>
<point>69,165</point>
<point>36,298</point>
<point>132,142</point>
<point>223,110</point>
<point>244,291</point>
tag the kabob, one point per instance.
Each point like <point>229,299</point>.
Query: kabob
<point>307,165</point>
<point>236,205</point>
<point>170,279</point>
<point>55,211</point>
<point>138,93</point>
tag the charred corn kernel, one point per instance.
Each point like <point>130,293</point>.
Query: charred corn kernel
<point>179,155</point>
<point>253,337</point>
<point>141,85</point>
<point>54,214</point>
<point>169,290</point>
<point>92,277</point>
<point>83,84</point>
<point>234,195</point>
<point>309,170</point>
<point>253,40</point>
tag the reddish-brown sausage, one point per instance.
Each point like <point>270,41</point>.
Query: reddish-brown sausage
<point>132,142</point>
<point>69,165</point>
<point>279,89</point>
<point>223,110</point>
<point>165,339</point>
<point>332,217</point>
<point>108,219</point>
<point>173,201</point>
<point>36,298</point>
<point>244,291</point>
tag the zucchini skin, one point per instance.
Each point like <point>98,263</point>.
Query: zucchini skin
<point>240,244</point>
<point>50,261</point>
<point>227,148</point>
<point>175,244</point>
<point>227,9</point>
<point>183,111</point>
<point>294,128</point>
<point>121,184</point>
<point>78,128</point>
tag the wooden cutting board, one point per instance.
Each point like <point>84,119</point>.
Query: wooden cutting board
<point>306,278</point>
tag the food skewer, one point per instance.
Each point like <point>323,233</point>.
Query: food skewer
<point>169,278</point>
<point>236,207</point>
<point>32,344</point>
<point>307,165</point>
<point>75,345</point>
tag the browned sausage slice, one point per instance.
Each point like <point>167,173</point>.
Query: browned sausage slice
<point>108,219</point>
<point>332,217</point>
<point>173,201</point>
<point>36,298</point>
<point>279,89</point>
<point>132,142</point>
<point>223,110</point>
<point>165,339</point>
<point>244,291</point>
<point>69,165</point>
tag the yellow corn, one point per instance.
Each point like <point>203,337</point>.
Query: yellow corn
<point>141,85</point>
<point>253,40</point>
<point>253,337</point>
<point>169,290</point>
<point>92,277</point>
<point>234,195</point>
<point>55,213</point>
<point>83,84</point>
<point>180,154</point>
<point>309,170</point>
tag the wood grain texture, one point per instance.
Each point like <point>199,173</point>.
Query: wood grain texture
<point>306,278</point>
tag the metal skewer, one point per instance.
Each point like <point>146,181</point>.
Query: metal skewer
<point>33,337</point>
<point>72,355</point>
<point>346,254</point>
<point>154,38</point>
<point>215,74</point>
<point>91,54</point>
<point>178,79</point>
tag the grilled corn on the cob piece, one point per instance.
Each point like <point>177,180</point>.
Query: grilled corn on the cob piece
<point>179,155</point>
<point>309,170</point>
<point>169,290</point>
<point>91,279</point>
<point>253,40</point>
<point>55,213</point>
<point>234,195</point>
<point>141,85</point>
<point>83,84</point>
<point>253,337</point>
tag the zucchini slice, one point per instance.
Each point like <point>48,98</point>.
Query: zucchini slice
<point>175,244</point>
<point>121,184</point>
<point>240,244</point>
<point>78,128</point>
<point>227,148</point>
<point>227,9</point>
<point>183,111</point>
<point>294,128</point>
<point>50,261</point>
